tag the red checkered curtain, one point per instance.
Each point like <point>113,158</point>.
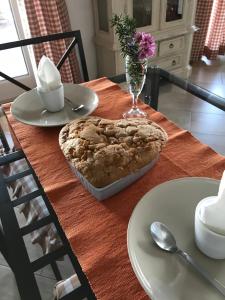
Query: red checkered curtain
<point>215,39</point>
<point>202,19</point>
<point>48,17</point>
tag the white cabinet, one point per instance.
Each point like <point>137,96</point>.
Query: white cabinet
<point>169,21</point>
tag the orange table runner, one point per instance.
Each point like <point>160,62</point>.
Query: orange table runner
<point>97,230</point>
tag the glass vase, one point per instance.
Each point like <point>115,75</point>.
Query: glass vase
<point>135,76</point>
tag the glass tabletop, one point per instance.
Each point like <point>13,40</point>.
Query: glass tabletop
<point>204,120</point>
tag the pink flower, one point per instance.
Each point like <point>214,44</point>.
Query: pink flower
<point>146,45</point>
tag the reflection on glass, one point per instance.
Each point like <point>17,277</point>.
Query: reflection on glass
<point>174,10</point>
<point>142,12</point>
<point>103,15</point>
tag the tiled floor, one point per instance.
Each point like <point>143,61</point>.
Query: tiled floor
<point>206,122</point>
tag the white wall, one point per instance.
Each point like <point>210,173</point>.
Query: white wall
<point>82,18</point>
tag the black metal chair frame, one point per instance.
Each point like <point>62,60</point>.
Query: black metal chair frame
<point>11,235</point>
<point>12,244</point>
<point>12,239</point>
<point>76,40</point>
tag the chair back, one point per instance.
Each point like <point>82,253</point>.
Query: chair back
<point>43,227</point>
<point>76,42</point>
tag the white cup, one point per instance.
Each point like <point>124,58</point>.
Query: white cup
<point>53,100</point>
<point>209,242</point>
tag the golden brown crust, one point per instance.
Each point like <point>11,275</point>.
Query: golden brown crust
<point>104,151</point>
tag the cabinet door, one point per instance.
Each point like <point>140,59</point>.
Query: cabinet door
<point>173,13</point>
<point>103,13</point>
<point>145,12</point>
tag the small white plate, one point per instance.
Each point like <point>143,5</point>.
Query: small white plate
<point>164,276</point>
<point>28,109</point>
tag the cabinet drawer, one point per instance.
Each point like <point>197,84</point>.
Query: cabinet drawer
<point>170,62</point>
<point>169,46</point>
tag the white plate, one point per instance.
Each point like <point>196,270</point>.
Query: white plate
<point>164,276</point>
<point>28,109</point>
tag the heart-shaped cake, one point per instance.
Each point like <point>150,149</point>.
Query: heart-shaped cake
<point>104,151</point>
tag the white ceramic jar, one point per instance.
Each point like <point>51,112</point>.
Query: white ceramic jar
<point>209,242</point>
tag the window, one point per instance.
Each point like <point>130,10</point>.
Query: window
<point>13,62</point>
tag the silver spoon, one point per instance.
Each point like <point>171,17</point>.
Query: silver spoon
<point>166,241</point>
<point>74,108</point>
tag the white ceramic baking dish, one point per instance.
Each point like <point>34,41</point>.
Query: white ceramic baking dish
<point>115,187</point>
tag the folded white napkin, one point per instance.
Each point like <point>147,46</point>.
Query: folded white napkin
<point>48,76</point>
<point>212,213</point>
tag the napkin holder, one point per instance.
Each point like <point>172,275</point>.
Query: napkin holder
<point>49,85</point>
<point>52,100</point>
